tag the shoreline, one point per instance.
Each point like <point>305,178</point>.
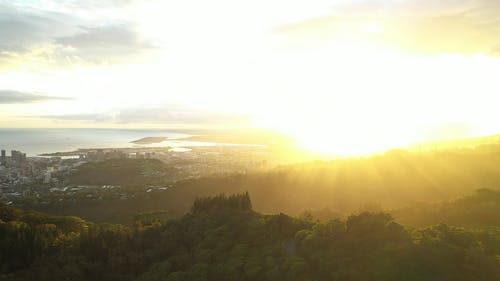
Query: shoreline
<point>184,148</point>
<point>81,151</point>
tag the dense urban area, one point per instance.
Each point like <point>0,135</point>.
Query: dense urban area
<point>39,177</point>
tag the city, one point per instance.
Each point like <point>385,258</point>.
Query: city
<point>162,140</point>
<point>23,177</point>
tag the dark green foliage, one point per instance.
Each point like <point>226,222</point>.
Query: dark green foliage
<point>223,239</point>
<point>26,237</point>
<point>151,218</point>
<point>121,172</point>
<point>477,210</point>
<point>222,203</point>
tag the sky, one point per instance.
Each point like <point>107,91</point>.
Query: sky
<point>332,73</point>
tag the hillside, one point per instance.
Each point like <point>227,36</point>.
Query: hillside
<point>122,172</point>
<point>391,181</point>
<point>223,239</point>
<point>477,210</point>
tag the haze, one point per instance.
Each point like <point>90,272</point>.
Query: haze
<point>331,74</point>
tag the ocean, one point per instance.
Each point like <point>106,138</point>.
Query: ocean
<point>37,141</point>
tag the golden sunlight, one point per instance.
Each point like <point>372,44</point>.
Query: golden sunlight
<point>372,99</point>
<point>250,140</point>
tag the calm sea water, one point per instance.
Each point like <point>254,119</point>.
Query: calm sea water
<point>37,141</point>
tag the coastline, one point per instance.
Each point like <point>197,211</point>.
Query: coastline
<point>74,142</point>
<point>39,142</point>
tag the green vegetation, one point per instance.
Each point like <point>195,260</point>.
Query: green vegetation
<point>122,172</point>
<point>394,180</point>
<point>477,210</point>
<point>391,182</point>
<point>223,239</point>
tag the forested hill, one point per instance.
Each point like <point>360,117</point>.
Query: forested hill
<point>391,181</point>
<point>221,238</point>
<point>480,209</point>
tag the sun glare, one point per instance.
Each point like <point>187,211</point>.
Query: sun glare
<point>339,85</point>
<point>372,100</point>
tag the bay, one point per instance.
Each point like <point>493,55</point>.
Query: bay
<point>37,141</point>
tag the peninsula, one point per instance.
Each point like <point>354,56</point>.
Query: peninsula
<point>150,140</point>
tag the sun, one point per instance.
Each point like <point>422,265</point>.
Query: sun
<point>342,145</point>
<point>347,140</point>
<point>351,99</point>
<point>356,108</point>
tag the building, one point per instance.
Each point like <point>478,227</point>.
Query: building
<point>47,177</point>
<point>18,157</point>
<point>26,193</point>
<point>3,157</point>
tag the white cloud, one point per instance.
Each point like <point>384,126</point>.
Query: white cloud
<point>18,97</point>
<point>167,115</point>
<point>61,38</point>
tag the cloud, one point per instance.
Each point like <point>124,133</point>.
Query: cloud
<point>423,26</point>
<point>92,4</point>
<point>87,117</point>
<point>167,115</point>
<point>61,38</point>
<point>21,30</point>
<point>176,115</point>
<point>496,50</point>
<point>15,97</point>
<point>104,42</point>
